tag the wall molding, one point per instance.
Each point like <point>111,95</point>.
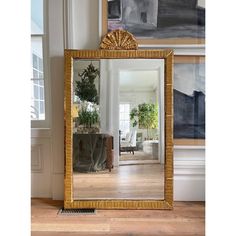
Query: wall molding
<point>41,154</point>
<point>191,188</point>
<point>41,133</point>
<point>68,6</point>
<point>189,174</point>
<point>189,166</point>
<point>180,50</point>
<point>36,159</point>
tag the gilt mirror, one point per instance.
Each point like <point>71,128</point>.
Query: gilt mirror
<point>118,126</point>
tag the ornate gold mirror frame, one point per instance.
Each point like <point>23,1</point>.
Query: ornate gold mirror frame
<point>119,45</point>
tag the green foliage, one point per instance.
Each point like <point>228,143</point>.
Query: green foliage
<point>86,89</point>
<point>88,118</point>
<point>134,117</point>
<point>145,116</point>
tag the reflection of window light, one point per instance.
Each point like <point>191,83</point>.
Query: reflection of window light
<point>124,118</point>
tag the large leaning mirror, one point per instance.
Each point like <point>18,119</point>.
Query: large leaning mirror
<point>118,126</point>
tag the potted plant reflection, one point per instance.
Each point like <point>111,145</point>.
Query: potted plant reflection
<point>88,98</point>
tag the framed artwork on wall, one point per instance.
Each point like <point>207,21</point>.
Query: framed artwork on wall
<point>177,22</point>
<point>189,100</point>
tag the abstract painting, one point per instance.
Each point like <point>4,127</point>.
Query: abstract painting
<point>189,98</point>
<point>157,21</point>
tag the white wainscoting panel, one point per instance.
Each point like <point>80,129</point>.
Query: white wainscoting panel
<point>189,173</point>
<point>36,159</point>
<point>41,167</point>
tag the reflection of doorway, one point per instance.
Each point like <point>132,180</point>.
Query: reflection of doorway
<point>138,144</point>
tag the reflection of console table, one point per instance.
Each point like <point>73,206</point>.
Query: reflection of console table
<point>151,147</point>
<point>92,152</point>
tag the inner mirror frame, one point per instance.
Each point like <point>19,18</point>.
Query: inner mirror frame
<point>167,202</point>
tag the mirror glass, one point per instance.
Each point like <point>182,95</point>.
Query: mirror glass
<point>118,129</point>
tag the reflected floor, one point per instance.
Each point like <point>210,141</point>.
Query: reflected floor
<point>138,155</point>
<point>138,158</point>
<point>124,182</point>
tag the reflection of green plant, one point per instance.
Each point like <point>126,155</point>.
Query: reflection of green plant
<point>145,116</point>
<point>88,115</point>
<point>86,89</point>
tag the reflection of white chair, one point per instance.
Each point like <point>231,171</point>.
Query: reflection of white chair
<point>129,144</point>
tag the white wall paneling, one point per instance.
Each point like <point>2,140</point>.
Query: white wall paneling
<point>189,173</point>
<point>48,144</point>
<point>36,159</point>
<point>85,24</point>
<point>56,54</point>
<point>68,23</point>
<point>41,165</point>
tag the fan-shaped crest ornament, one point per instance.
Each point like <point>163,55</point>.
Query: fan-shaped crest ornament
<point>119,40</point>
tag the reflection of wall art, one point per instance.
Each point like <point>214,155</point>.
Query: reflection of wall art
<point>157,21</point>
<point>189,97</point>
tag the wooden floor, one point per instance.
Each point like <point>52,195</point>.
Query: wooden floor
<point>187,219</point>
<point>125,182</point>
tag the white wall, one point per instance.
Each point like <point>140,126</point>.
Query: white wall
<point>82,18</point>
<point>84,24</point>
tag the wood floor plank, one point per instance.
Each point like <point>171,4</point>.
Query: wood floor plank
<point>125,182</point>
<point>187,219</point>
<point>70,227</point>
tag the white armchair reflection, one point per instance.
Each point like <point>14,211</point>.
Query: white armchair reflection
<point>129,144</point>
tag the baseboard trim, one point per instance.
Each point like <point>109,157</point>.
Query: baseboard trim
<point>191,188</point>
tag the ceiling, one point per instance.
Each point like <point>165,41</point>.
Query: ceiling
<point>138,80</point>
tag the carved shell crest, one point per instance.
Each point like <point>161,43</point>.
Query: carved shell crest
<point>119,40</point>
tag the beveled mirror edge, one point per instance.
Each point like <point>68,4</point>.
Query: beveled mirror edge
<point>167,203</point>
